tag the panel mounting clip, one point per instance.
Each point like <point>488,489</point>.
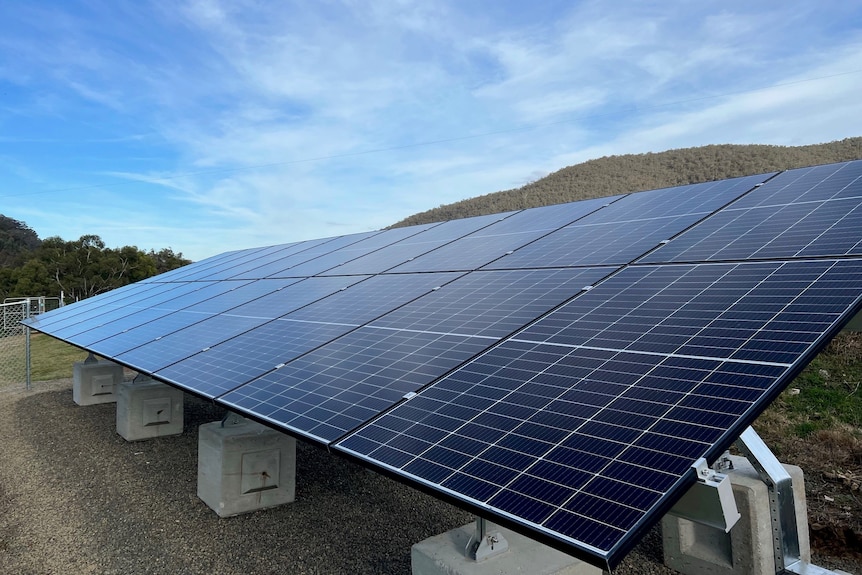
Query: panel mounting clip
<point>710,501</point>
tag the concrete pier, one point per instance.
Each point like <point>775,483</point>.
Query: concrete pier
<point>95,381</point>
<point>244,466</point>
<point>695,549</point>
<point>445,554</point>
<point>147,408</point>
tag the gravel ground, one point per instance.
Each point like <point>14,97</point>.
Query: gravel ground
<point>77,498</point>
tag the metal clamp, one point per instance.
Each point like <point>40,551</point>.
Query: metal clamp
<point>710,501</point>
<point>485,543</point>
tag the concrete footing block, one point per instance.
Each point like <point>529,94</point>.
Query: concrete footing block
<point>695,549</point>
<point>95,382</point>
<point>244,466</point>
<point>444,554</point>
<point>147,409</point>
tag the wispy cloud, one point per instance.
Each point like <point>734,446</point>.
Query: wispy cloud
<point>215,125</point>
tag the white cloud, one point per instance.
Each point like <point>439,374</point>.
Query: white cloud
<point>231,124</point>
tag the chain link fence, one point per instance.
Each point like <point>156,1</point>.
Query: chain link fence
<point>15,338</point>
<point>14,343</point>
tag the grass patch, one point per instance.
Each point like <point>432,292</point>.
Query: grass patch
<point>827,394</point>
<point>51,358</point>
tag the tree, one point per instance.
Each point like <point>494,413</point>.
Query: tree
<point>83,268</point>
<point>16,239</point>
<point>166,260</point>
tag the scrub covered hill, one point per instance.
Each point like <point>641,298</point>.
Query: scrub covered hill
<point>636,172</point>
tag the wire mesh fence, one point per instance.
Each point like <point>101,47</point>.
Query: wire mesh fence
<point>15,338</point>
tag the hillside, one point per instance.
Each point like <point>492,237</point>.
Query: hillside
<point>16,239</point>
<point>635,172</point>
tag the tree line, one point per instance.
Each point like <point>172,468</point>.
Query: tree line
<point>77,269</point>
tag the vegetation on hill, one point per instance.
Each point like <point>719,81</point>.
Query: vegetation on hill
<point>635,172</point>
<point>15,239</point>
<point>78,269</point>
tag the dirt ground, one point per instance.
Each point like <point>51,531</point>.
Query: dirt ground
<point>832,463</point>
<point>77,498</point>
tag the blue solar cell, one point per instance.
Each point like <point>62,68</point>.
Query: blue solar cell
<point>253,260</point>
<point>249,355</point>
<point>627,228</point>
<point>86,309</point>
<point>496,240</point>
<point>693,310</point>
<point>334,261</point>
<point>189,340</point>
<point>350,380</point>
<point>217,264</point>
<point>414,246</point>
<point>99,326</point>
<point>280,266</point>
<point>596,244</point>
<point>371,298</point>
<point>149,325</point>
<point>811,212</point>
<point>602,410</point>
<point>689,199</point>
<point>217,369</point>
<point>491,303</point>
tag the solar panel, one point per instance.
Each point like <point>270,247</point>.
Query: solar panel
<point>67,314</point>
<point>512,231</point>
<point>238,268</point>
<point>491,303</point>
<point>358,249</point>
<point>147,328</point>
<point>280,266</point>
<point>810,212</point>
<point>402,350</point>
<point>213,265</point>
<point>629,227</point>
<point>414,246</point>
<point>86,326</point>
<point>325,393</point>
<point>227,365</point>
<point>556,369</point>
<point>584,423</point>
<point>297,332</point>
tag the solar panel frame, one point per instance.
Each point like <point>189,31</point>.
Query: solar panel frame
<point>512,231</point>
<point>409,249</point>
<point>255,259</point>
<point>667,347</point>
<point>726,419</point>
<point>326,318</point>
<point>798,213</point>
<point>628,227</point>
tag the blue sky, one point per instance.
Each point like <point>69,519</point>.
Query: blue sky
<point>208,126</point>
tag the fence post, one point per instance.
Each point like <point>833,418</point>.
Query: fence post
<point>27,344</point>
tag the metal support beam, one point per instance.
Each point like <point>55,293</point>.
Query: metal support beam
<point>486,541</point>
<point>782,506</point>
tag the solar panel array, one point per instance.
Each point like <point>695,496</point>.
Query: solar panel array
<point>556,369</point>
